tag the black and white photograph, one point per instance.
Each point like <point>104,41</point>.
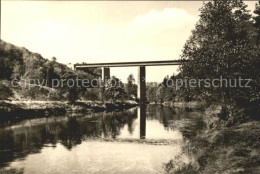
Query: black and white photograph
<point>129,87</point>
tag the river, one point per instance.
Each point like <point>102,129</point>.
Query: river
<point>138,140</point>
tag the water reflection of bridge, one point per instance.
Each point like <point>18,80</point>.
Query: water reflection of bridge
<point>141,92</point>
<point>142,116</point>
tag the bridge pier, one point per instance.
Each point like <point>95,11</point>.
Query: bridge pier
<point>105,74</point>
<point>141,92</point>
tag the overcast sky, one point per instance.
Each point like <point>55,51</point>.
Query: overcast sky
<point>103,31</point>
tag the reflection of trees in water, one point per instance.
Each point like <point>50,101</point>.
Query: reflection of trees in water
<point>70,135</point>
<point>161,113</point>
<point>115,125</point>
<point>113,122</point>
<point>130,120</point>
<point>6,143</point>
<point>19,142</point>
<point>164,114</point>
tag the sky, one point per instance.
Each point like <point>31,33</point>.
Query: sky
<point>103,31</point>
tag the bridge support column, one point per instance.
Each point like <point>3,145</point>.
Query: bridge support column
<point>105,74</point>
<point>141,92</point>
<point>105,77</point>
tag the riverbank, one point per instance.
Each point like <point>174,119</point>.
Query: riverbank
<point>30,108</point>
<point>213,147</point>
<point>182,104</point>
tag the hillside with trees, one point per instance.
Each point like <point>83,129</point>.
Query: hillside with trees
<point>23,65</point>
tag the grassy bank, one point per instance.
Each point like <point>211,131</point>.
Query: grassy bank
<point>213,147</point>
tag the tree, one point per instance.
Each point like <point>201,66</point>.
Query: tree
<point>151,94</point>
<point>10,57</point>
<point>5,91</point>
<point>160,94</point>
<point>69,88</point>
<point>50,72</point>
<point>6,68</point>
<point>54,59</point>
<point>131,87</point>
<point>115,89</point>
<point>222,44</point>
<point>72,95</point>
<point>255,95</point>
<point>169,94</point>
<point>92,94</point>
<point>18,70</point>
<point>257,21</point>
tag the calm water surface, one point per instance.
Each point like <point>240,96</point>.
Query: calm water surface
<point>138,140</point>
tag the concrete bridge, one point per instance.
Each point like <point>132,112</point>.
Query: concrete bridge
<point>141,92</point>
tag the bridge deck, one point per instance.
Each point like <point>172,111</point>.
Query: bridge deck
<point>124,64</point>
